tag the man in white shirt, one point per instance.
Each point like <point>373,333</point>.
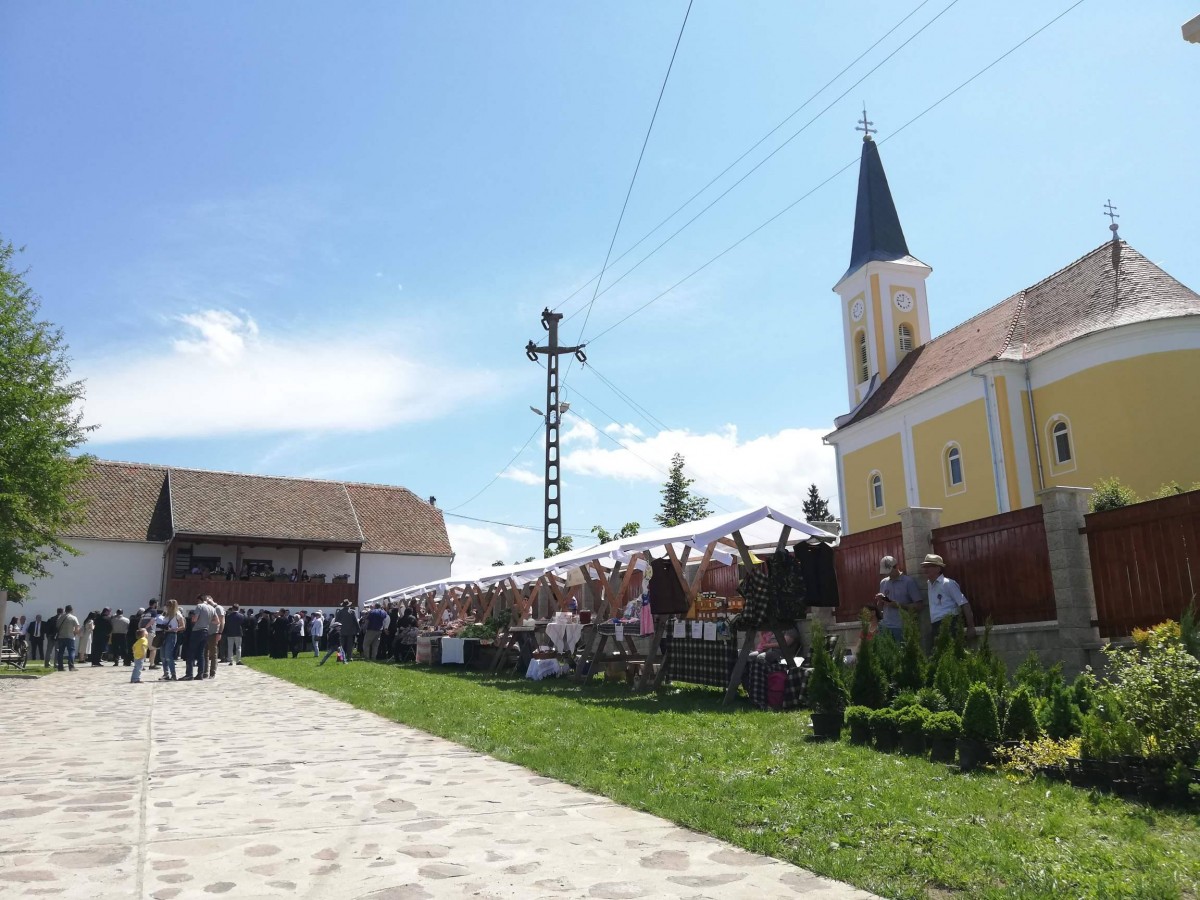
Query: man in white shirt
<point>316,626</point>
<point>946,598</point>
<point>67,629</point>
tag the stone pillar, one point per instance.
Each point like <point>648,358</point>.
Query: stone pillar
<point>916,525</point>
<point>916,528</point>
<point>1063,509</point>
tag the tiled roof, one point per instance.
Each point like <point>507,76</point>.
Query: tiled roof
<point>138,502</point>
<point>125,502</point>
<point>259,506</point>
<point>395,520</point>
<point>1077,300</point>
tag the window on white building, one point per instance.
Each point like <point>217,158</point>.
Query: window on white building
<point>1062,443</point>
<point>860,355</point>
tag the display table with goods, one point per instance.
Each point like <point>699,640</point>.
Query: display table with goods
<point>636,624</point>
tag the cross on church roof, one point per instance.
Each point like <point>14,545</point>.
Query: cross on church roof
<point>1111,212</point>
<point>865,126</point>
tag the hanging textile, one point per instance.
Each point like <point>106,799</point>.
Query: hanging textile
<point>820,578</point>
<point>667,597</point>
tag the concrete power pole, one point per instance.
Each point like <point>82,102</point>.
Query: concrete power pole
<point>553,414</point>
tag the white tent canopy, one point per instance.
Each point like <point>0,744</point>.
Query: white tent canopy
<point>759,527</point>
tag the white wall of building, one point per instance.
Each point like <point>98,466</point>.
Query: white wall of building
<point>383,572</point>
<point>118,574</point>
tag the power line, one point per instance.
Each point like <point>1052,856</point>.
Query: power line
<point>507,466</point>
<point>763,161</point>
<point>631,451</point>
<point>650,418</point>
<point>752,148</point>
<point>628,193</point>
<point>805,196</point>
<point>512,525</point>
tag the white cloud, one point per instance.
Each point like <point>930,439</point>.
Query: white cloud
<point>477,547</point>
<point>223,375</point>
<point>523,476</point>
<point>773,468</point>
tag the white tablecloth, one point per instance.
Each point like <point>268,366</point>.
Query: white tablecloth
<point>546,668</point>
<point>565,635</point>
<point>452,651</point>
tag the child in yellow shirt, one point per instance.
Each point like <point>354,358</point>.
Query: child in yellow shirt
<point>141,647</point>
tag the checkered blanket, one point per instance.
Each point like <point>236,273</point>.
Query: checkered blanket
<point>701,662</point>
<point>755,682</point>
<point>632,628</point>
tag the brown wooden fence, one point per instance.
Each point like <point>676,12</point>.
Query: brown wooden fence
<point>1145,562</point>
<point>856,562</point>
<point>1002,565</point>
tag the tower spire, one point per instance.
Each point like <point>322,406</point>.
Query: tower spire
<point>1111,212</point>
<point>877,231</point>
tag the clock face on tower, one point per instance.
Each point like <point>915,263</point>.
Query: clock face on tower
<point>857,310</point>
<point>903,301</point>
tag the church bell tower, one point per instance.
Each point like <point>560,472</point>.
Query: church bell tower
<point>885,313</point>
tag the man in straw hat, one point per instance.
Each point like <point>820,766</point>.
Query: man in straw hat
<point>945,597</point>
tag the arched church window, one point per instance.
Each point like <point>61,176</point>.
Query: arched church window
<point>876,491</point>
<point>906,338</point>
<point>860,355</point>
<point>1062,443</point>
<point>954,467</point>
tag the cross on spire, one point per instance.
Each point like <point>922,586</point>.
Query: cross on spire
<point>865,125</point>
<point>1111,212</point>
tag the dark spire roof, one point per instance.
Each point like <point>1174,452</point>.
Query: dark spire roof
<point>877,231</point>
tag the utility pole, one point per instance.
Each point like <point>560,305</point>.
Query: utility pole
<point>553,520</point>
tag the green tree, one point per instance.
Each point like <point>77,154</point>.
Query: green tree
<point>498,562</point>
<point>628,530</point>
<point>816,508</point>
<point>40,424</point>
<point>564,543</point>
<point>1110,493</point>
<point>679,504</point>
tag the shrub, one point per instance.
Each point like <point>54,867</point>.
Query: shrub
<point>826,686</point>
<point>911,719</point>
<point>1109,493</point>
<point>884,724</point>
<point>1106,732</point>
<point>943,726</point>
<point>858,716</point>
<point>984,665</point>
<point>1029,758</point>
<point>887,654</point>
<point>951,681</point>
<point>1157,684</point>
<point>1060,716</point>
<point>1189,630</point>
<point>908,698</point>
<point>979,720</point>
<point>1083,690</point>
<point>868,686</point>
<point>1020,724</point>
<point>913,668</point>
<point>932,700</point>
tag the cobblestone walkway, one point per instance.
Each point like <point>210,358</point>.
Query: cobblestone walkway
<point>249,787</point>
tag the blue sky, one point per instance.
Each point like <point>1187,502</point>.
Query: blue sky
<point>313,239</point>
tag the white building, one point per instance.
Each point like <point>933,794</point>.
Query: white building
<point>148,528</point>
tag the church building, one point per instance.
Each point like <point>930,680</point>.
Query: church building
<point>1090,373</point>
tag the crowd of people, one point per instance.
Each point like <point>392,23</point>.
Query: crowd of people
<point>208,635</point>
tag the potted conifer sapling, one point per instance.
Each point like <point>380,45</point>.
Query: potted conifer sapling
<point>980,728</point>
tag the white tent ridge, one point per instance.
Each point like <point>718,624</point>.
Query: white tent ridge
<point>755,526</point>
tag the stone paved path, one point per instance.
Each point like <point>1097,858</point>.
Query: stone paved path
<point>249,787</point>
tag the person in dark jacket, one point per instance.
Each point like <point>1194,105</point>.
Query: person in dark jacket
<point>280,634</point>
<point>101,636</point>
<point>264,633</point>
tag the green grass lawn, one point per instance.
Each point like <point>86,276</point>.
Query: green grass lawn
<point>898,826</point>
<point>34,668</point>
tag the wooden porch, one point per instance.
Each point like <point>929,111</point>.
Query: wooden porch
<point>262,594</point>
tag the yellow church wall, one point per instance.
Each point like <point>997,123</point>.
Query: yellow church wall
<point>1118,428</point>
<point>881,365</point>
<point>966,426</point>
<point>884,456</point>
